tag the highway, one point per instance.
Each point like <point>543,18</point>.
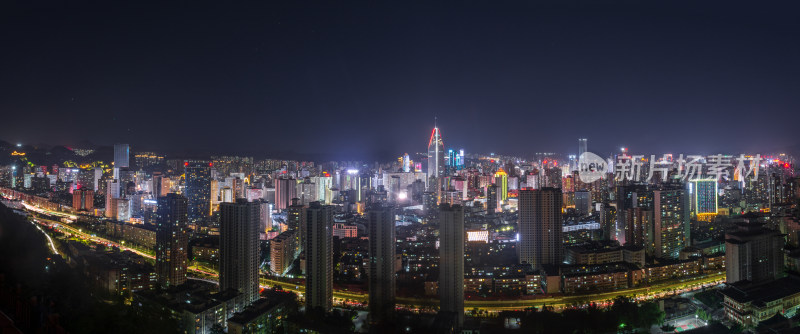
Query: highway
<point>656,291</point>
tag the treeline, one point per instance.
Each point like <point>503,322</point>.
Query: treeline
<point>623,315</point>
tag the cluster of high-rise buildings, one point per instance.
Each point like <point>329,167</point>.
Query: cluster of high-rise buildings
<point>488,225</point>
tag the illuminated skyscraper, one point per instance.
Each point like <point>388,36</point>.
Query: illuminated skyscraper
<point>381,263</point>
<point>451,261</point>
<point>172,240</point>
<point>295,220</point>
<point>582,143</point>
<point>703,196</point>
<point>121,158</point>
<point>501,181</point>
<point>436,153</point>
<point>122,153</point>
<point>198,190</point>
<point>238,249</point>
<point>540,227</point>
<point>319,256</point>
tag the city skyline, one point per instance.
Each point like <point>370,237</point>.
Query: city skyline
<point>399,167</point>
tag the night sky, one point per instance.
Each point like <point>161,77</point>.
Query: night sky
<point>366,80</point>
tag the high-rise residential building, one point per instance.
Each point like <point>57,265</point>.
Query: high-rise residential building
<point>583,202</point>
<point>381,263</point>
<point>122,208</point>
<point>282,252</point>
<point>198,190</point>
<point>582,145</point>
<point>319,256</point>
<point>307,192</point>
<point>436,166</point>
<point>285,191</point>
<point>172,240</point>
<point>540,227</point>
<point>491,199</point>
<point>753,253</point>
<point>608,221</point>
<point>553,177</point>
<point>670,222</point>
<point>295,221</point>
<point>630,197</point>
<point>238,248</point>
<point>703,195</point>
<point>83,199</point>
<point>639,230</point>
<point>451,260</point>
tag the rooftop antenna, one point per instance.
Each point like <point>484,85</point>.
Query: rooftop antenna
<point>434,121</point>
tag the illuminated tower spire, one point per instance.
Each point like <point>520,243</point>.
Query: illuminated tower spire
<point>435,155</point>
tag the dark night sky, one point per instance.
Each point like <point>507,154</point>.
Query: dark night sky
<point>366,80</point>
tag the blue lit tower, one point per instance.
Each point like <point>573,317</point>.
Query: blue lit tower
<point>122,154</point>
<point>703,196</point>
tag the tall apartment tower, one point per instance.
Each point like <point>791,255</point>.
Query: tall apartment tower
<point>540,227</point>
<point>282,252</point>
<point>172,240</point>
<point>319,256</point>
<point>285,191</point>
<point>381,263</point>
<point>83,199</point>
<point>198,190</point>
<point>295,220</point>
<point>451,261</point>
<point>753,253</point>
<point>670,222</point>
<point>491,199</point>
<point>112,192</point>
<point>238,249</point>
